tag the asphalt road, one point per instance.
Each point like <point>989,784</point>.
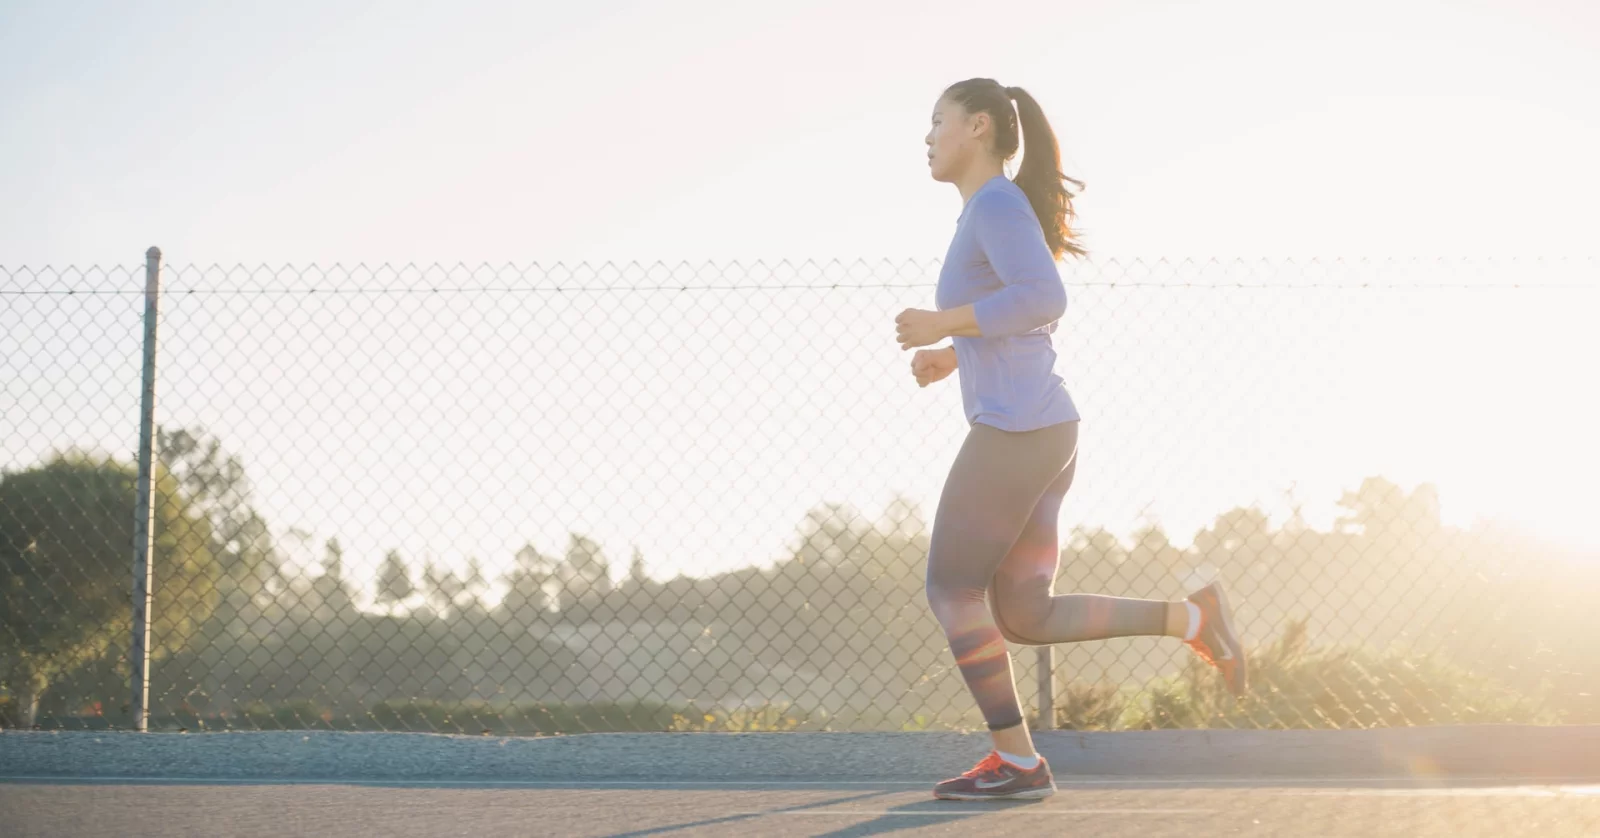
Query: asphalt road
<point>1462,781</point>
<point>134,809</point>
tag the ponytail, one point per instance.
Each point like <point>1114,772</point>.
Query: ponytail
<point>1039,176</point>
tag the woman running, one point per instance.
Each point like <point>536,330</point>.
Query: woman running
<point>999,298</point>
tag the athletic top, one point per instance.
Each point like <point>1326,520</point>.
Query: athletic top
<point>999,262</point>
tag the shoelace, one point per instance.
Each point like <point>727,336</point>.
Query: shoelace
<point>985,765</point>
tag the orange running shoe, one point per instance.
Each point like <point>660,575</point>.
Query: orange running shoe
<point>1216,643</point>
<point>995,779</point>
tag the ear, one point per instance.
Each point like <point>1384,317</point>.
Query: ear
<point>980,123</point>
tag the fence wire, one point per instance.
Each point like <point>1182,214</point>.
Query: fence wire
<point>696,497</point>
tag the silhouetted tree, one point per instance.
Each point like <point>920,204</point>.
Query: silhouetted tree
<point>394,580</point>
<point>66,551</point>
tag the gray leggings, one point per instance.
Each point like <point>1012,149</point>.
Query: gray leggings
<point>994,538</point>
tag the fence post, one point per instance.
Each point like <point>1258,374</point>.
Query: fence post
<point>144,507</point>
<point>1047,687</point>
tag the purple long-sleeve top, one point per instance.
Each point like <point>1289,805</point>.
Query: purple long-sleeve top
<point>999,263</point>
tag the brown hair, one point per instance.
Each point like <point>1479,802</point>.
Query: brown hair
<point>1039,176</point>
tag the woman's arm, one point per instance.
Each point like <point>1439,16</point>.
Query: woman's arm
<point>1033,294</point>
<point>959,323</point>
<point>1014,244</point>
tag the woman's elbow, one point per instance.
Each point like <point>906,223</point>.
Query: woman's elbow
<point>1054,305</point>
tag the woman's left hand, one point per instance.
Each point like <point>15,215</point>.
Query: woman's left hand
<point>916,327</point>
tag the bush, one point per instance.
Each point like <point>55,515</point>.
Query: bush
<point>1293,685</point>
<point>479,717</point>
<point>1092,707</point>
<point>1296,685</point>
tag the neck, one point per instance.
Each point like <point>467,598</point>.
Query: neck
<point>973,179</point>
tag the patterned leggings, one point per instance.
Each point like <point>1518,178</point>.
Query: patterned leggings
<point>994,537</point>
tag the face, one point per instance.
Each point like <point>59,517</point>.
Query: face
<point>954,139</point>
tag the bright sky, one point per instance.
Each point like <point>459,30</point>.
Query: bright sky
<point>300,132</point>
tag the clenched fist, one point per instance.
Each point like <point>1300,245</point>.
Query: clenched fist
<point>930,365</point>
<point>915,327</point>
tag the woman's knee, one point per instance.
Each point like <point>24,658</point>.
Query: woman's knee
<point>956,606</point>
<point>1019,616</point>
<point>1011,635</point>
<point>942,600</point>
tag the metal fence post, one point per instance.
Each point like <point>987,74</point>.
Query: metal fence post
<point>144,507</point>
<point>1047,687</point>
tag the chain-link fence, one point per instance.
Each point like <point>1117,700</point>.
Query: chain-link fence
<point>559,499</point>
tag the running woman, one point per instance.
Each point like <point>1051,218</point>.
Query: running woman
<point>993,555</point>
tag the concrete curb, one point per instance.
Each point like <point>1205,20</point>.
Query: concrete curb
<point>1510,751</point>
<point>1515,753</point>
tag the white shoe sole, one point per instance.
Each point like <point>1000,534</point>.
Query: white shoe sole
<point>1026,794</point>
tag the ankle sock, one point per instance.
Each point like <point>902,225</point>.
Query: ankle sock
<point>1194,621</point>
<point>1027,763</point>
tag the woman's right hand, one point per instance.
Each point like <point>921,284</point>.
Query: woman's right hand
<point>930,365</point>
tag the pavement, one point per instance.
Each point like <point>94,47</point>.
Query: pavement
<point>1413,782</point>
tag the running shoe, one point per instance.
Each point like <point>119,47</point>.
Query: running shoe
<point>1216,643</point>
<point>995,779</point>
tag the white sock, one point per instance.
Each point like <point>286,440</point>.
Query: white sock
<point>1194,621</point>
<point>1027,763</point>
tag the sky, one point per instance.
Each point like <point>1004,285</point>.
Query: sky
<point>529,133</point>
<point>350,132</point>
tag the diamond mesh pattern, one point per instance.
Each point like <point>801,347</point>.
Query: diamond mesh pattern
<point>573,498</point>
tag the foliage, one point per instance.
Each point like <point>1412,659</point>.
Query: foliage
<point>835,636</point>
<point>1297,685</point>
<point>66,549</point>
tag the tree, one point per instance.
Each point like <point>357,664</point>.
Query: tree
<point>582,578</point>
<point>1382,511</point>
<point>66,558</point>
<point>477,583</point>
<point>1153,550</point>
<point>330,590</point>
<point>394,580</point>
<point>588,571</point>
<point>637,575</point>
<point>442,587</point>
<point>528,584</point>
<point>216,487</point>
<point>475,587</point>
<point>831,534</point>
<point>1239,541</point>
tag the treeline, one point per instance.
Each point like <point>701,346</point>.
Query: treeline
<point>837,635</point>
